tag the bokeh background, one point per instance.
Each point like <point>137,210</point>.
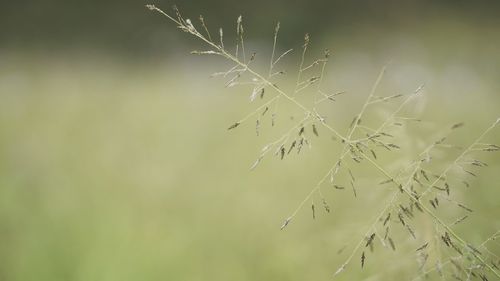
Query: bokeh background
<point>115,161</point>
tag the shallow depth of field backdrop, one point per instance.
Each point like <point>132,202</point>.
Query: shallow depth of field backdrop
<point>115,161</point>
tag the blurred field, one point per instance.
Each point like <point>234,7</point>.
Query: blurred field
<point>120,170</point>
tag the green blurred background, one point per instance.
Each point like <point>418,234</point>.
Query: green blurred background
<point>115,162</point>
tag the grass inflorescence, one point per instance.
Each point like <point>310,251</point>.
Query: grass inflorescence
<point>419,189</point>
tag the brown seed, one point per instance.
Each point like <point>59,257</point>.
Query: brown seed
<point>386,181</point>
<point>369,240</point>
<point>474,249</point>
<point>411,231</point>
<point>285,223</point>
<point>387,218</point>
<point>353,122</point>
<point>400,216</point>
<point>265,110</point>
<point>432,203</point>
<point>292,146</point>
<point>445,241</point>
<point>315,131</point>
<point>459,220</point>
<point>234,126</point>
<point>424,174</point>
<point>301,131</point>
<point>440,141</point>
<point>465,207</point>
<point>393,146</point>
<point>300,145</point>
<point>417,205</point>
<point>456,126</point>
<point>325,205</point>
<point>422,247</point>
<point>438,188</point>
<point>470,173</point>
<point>327,53</point>
<point>407,212</point>
<point>313,211</point>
